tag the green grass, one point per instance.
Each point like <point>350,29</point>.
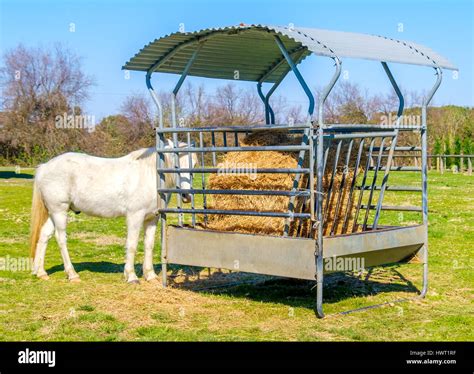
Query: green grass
<point>104,307</point>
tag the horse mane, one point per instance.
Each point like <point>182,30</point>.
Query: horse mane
<point>142,154</point>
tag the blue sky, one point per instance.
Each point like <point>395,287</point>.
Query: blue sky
<point>108,33</point>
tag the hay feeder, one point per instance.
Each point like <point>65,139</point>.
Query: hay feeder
<point>330,194</point>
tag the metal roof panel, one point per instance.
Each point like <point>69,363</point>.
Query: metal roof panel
<point>251,51</point>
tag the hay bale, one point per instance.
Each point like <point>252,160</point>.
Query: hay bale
<point>248,161</point>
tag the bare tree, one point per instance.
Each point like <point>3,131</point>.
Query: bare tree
<point>39,84</point>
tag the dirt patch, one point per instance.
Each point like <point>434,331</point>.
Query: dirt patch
<point>99,240</point>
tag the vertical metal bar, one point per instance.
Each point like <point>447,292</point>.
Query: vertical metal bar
<point>341,187</point>
<point>385,180</point>
<point>424,174</point>
<point>373,184</point>
<point>174,124</point>
<point>155,98</point>
<point>331,183</point>
<point>213,141</point>
<point>305,138</point>
<point>267,106</point>
<point>269,113</point>
<point>311,174</point>
<point>176,163</point>
<point>191,177</point>
<point>401,104</point>
<point>351,191</point>
<point>224,138</point>
<point>160,144</point>
<point>318,254</point>
<point>161,178</point>
<point>164,259</point>
<point>160,140</point>
<point>364,178</point>
<point>203,178</point>
<point>296,180</point>
<point>394,141</point>
<point>319,191</point>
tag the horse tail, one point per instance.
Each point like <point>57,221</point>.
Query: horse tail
<point>39,215</point>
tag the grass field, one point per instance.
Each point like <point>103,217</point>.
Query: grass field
<point>104,307</point>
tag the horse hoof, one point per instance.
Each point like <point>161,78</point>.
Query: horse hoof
<point>75,280</point>
<point>133,281</point>
<point>151,277</point>
<point>43,277</point>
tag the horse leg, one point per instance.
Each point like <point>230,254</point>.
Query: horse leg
<point>134,222</point>
<point>149,243</point>
<point>46,233</point>
<point>60,223</point>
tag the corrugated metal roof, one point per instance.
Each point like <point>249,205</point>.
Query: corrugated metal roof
<point>251,51</point>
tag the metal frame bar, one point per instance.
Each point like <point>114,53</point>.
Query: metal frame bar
<point>237,128</point>
<point>373,183</point>
<point>424,173</point>
<point>342,185</point>
<point>319,189</point>
<point>401,105</point>
<point>269,113</point>
<point>236,212</point>
<point>175,125</point>
<point>353,185</point>
<point>214,149</point>
<point>215,170</point>
<point>363,187</point>
<point>307,131</point>
<point>160,180</point>
<point>160,144</point>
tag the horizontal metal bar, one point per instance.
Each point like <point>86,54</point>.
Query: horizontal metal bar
<point>407,208</point>
<point>281,148</point>
<point>230,128</point>
<point>362,135</point>
<point>397,168</point>
<point>400,149</point>
<point>402,156</point>
<point>222,170</point>
<point>236,192</point>
<point>367,127</point>
<point>235,212</point>
<point>392,188</point>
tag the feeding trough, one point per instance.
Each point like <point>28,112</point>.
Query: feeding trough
<point>340,174</point>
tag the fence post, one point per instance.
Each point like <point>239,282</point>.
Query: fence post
<point>469,165</point>
<point>461,163</point>
<point>437,164</point>
<point>442,164</point>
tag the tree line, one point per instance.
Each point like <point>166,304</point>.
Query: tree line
<point>44,91</point>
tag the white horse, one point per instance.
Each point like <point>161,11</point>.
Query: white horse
<point>101,187</point>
